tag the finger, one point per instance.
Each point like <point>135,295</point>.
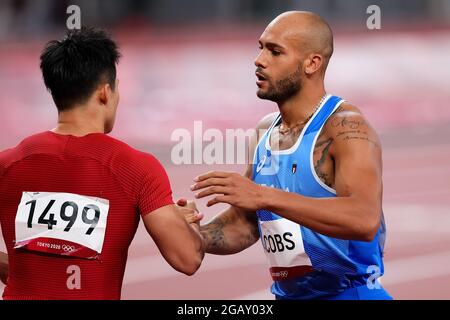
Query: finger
<point>192,205</point>
<point>211,191</point>
<point>210,182</point>
<point>212,174</point>
<point>200,217</point>
<point>219,199</point>
<point>182,202</point>
<point>188,213</point>
<point>194,218</point>
<point>197,218</point>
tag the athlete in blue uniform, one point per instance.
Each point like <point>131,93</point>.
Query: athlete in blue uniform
<point>313,192</point>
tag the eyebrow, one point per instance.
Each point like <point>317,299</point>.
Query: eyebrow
<point>271,45</point>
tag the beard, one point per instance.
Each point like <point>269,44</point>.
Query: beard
<point>283,89</point>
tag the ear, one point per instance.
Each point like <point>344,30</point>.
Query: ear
<point>313,63</point>
<point>104,93</point>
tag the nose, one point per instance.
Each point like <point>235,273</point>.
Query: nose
<point>259,61</point>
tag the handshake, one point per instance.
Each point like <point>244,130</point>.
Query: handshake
<point>239,191</point>
<point>235,228</point>
<point>190,212</point>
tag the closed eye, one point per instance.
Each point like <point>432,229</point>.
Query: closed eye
<point>275,52</point>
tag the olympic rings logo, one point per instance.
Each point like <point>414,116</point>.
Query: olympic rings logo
<point>68,248</point>
<point>283,274</point>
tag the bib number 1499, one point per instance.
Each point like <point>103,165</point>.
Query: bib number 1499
<point>68,212</point>
<point>50,221</point>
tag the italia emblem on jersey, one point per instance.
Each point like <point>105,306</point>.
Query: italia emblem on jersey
<point>294,168</point>
<point>61,223</point>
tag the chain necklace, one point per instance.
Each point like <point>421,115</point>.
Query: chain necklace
<point>306,120</point>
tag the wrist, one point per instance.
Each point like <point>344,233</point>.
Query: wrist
<point>196,228</point>
<point>265,195</point>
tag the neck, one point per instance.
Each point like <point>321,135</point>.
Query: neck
<point>299,107</point>
<point>79,121</point>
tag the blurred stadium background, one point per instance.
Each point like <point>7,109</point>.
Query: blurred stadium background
<point>193,60</point>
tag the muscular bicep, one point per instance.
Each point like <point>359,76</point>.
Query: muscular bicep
<point>357,155</point>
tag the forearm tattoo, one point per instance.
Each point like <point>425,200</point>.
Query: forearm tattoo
<point>218,240</point>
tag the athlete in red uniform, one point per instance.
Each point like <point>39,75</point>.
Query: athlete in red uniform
<point>71,198</point>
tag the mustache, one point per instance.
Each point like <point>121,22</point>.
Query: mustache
<point>261,72</point>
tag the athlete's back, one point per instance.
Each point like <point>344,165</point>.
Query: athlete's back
<point>70,198</point>
<point>95,166</point>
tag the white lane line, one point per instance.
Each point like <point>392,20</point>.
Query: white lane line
<point>416,268</point>
<point>396,272</point>
<point>392,172</point>
<point>417,218</point>
<point>419,193</point>
<point>441,150</point>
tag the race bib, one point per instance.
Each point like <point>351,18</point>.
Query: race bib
<point>61,223</point>
<point>283,245</point>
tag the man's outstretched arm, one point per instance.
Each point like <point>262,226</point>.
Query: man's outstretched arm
<point>179,242</point>
<point>230,232</point>
<point>235,229</point>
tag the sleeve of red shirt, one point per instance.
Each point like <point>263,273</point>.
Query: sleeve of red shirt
<point>156,191</point>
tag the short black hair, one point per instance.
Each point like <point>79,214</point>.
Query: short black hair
<point>72,68</point>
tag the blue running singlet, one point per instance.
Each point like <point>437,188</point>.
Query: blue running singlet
<point>305,264</point>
